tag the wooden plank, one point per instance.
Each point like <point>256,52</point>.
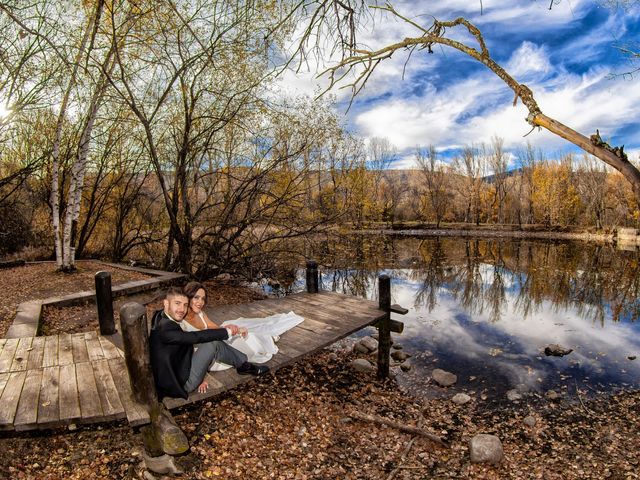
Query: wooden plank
<point>68,394</point>
<point>87,391</point>
<point>65,350</point>
<point>21,357</point>
<point>109,397</point>
<point>50,357</point>
<point>109,349</point>
<point>8,352</point>
<point>136,412</point>
<point>10,398</point>
<point>48,404</point>
<point>79,348</point>
<point>94,349</point>
<point>27,412</point>
<point>36,354</point>
<point>4,378</point>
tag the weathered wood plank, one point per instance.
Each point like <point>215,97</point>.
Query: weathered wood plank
<point>68,394</point>
<point>50,357</point>
<point>65,350</point>
<point>21,357</point>
<point>8,352</point>
<point>4,378</point>
<point>94,349</point>
<point>87,391</point>
<point>48,404</point>
<point>10,398</point>
<point>109,349</point>
<point>109,398</point>
<point>36,354</point>
<point>79,348</point>
<point>136,413</point>
<point>27,413</point>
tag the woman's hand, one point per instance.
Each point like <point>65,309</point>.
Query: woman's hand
<point>243,331</point>
<point>204,386</point>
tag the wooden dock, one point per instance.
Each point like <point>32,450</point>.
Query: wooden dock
<point>52,381</point>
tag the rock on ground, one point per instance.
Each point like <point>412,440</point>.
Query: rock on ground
<point>444,378</point>
<point>513,395</point>
<point>486,449</point>
<point>359,348</point>
<point>162,464</point>
<point>362,365</point>
<point>399,356</point>
<point>460,398</point>
<point>529,421</point>
<point>553,395</point>
<point>371,344</point>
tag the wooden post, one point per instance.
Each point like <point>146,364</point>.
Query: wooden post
<point>104,301</point>
<point>312,276</point>
<point>163,436</point>
<point>384,327</point>
<point>133,320</point>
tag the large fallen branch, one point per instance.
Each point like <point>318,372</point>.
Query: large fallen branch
<point>398,426</point>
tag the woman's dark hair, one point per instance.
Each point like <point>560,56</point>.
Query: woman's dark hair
<point>191,288</point>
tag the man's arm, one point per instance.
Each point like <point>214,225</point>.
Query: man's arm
<point>176,336</point>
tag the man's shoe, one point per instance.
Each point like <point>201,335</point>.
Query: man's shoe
<point>252,369</point>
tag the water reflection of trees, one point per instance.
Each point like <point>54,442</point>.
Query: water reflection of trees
<point>597,281</point>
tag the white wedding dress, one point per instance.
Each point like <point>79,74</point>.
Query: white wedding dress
<point>260,343</point>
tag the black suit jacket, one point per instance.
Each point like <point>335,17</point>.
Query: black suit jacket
<point>171,350</point>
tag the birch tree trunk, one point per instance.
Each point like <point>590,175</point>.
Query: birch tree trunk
<point>55,155</point>
<point>79,168</point>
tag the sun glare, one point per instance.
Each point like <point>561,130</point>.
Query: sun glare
<point>4,111</point>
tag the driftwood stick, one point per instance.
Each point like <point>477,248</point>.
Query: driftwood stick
<point>398,426</point>
<point>403,457</point>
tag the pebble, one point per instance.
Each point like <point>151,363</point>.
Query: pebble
<point>513,395</point>
<point>444,378</point>
<point>399,356</point>
<point>486,449</point>
<point>557,350</point>
<point>371,344</point>
<point>359,348</point>
<point>397,346</point>
<point>529,421</point>
<point>405,367</point>
<point>362,365</point>
<point>553,395</point>
<point>460,398</point>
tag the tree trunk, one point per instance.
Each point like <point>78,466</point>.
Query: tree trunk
<point>55,160</point>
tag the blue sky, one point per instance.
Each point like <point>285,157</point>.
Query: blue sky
<point>566,55</point>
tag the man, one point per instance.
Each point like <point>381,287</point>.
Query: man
<point>177,369</point>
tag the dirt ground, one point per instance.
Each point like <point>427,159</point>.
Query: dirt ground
<point>296,424</point>
<point>38,281</point>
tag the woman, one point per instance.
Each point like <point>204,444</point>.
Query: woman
<point>256,336</point>
<point>196,317</point>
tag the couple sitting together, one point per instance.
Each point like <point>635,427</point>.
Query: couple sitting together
<point>178,367</point>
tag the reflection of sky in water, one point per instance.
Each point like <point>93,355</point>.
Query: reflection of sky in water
<point>510,350</point>
<point>494,346</point>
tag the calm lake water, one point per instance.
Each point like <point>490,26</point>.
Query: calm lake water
<point>486,309</point>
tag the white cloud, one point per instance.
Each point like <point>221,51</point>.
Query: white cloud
<point>430,107</point>
<point>529,60</point>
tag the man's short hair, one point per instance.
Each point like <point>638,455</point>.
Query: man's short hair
<point>175,292</point>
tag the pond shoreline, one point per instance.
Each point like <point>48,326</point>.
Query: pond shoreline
<point>497,233</point>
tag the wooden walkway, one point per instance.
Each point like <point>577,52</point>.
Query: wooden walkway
<point>52,381</point>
